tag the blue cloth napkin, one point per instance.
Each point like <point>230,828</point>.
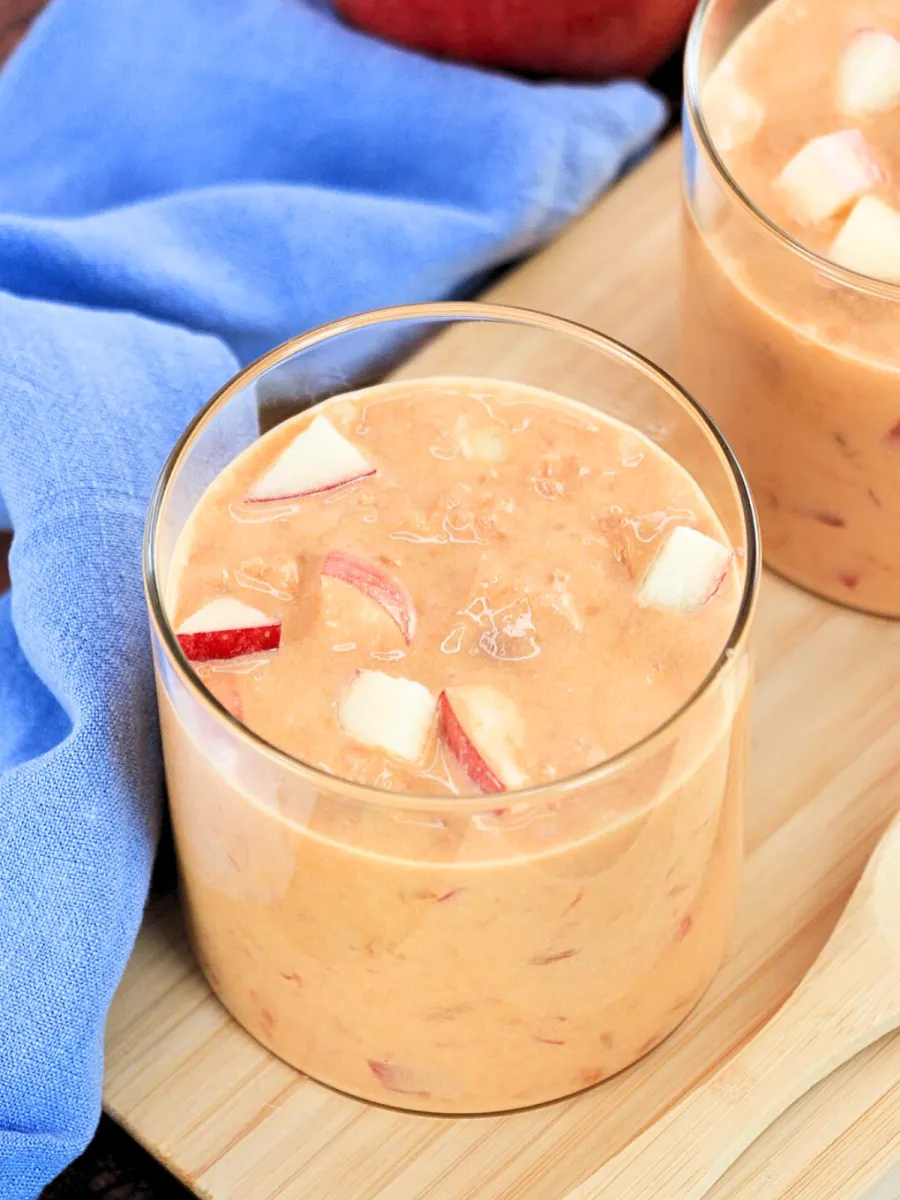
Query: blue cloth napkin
<point>183,184</point>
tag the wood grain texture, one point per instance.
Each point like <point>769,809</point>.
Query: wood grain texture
<point>849,999</point>
<point>237,1124</point>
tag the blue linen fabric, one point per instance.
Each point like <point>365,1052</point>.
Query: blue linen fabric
<point>183,184</point>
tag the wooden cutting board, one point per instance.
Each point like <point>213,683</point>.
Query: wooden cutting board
<point>237,1124</point>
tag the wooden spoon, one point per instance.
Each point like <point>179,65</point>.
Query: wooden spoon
<point>849,999</point>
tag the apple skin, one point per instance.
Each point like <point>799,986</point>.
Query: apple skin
<point>229,643</point>
<point>463,749</point>
<point>574,39</point>
<point>375,583</point>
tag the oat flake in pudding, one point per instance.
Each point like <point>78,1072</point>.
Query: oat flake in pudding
<point>457,588</point>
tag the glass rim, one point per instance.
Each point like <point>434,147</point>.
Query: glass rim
<point>693,106</point>
<point>461,311</point>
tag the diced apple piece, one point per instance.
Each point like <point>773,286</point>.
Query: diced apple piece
<point>354,618</point>
<point>369,579</point>
<point>869,241</point>
<point>868,79</point>
<point>390,713</point>
<point>734,117</point>
<point>484,731</point>
<point>686,573</point>
<point>828,174</point>
<point>485,445</point>
<point>481,443</point>
<point>317,460</point>
<point>227,628</point>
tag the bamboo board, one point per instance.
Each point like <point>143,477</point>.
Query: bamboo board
<point>235,1123</point>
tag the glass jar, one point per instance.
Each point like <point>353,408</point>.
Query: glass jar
<point>795,358</point>
<point>435,953</point>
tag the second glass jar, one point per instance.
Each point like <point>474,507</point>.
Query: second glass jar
<point>796,359</point>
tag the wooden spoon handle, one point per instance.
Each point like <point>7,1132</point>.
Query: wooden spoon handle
<point>822,1025</point>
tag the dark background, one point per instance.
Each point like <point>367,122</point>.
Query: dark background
<point>114,1167</point>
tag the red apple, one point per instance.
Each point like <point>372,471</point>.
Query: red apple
<point>577,39</point>
<point>686,573</point>
<point>483,730</point>
<point>369,579</point>
<point>392,714</point>
<point>227,628</point>
<point>317,460</point>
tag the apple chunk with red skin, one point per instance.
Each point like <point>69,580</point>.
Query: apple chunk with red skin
<point>317,460</point>
<point>828,174</point>
<point>483,730</point>
<point>686,573</point>
<point>373,582</point>
<point>227,628</point>
<point>389,713</point>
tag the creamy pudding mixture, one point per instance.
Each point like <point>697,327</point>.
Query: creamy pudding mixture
<point>511,533</point>
<point>802,371</point>
<point>453,587</point>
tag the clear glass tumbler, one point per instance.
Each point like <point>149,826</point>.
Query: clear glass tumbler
<point>797,360</point>
<point>441,954</point>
